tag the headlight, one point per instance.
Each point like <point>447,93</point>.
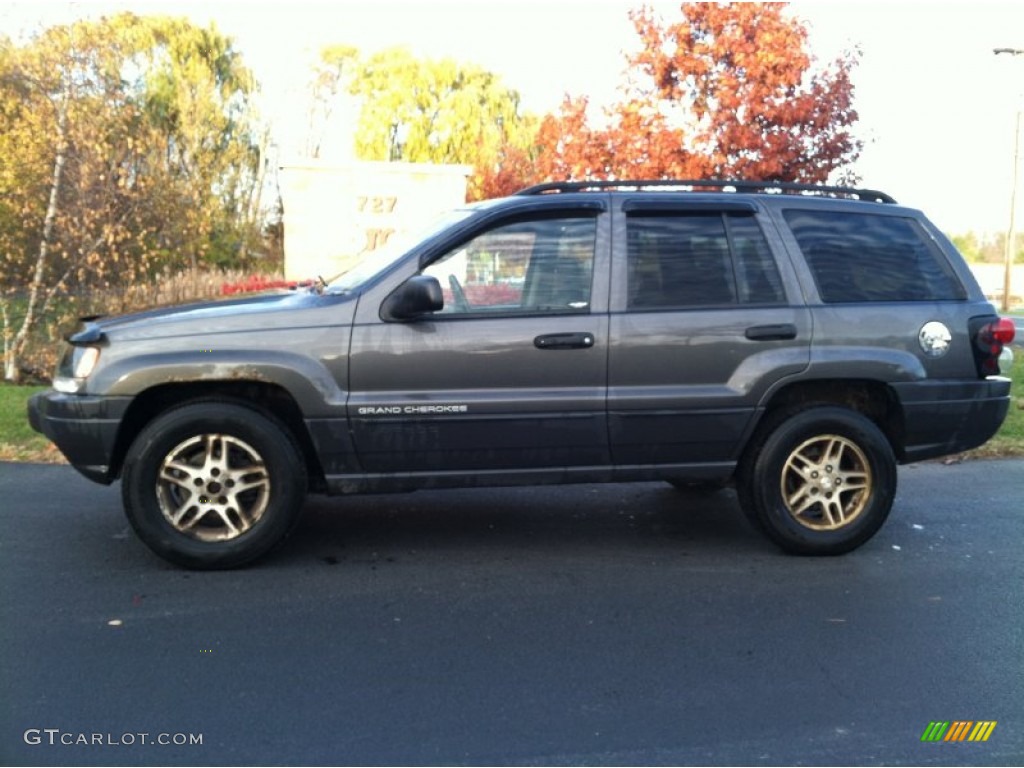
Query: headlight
<point>74,369</point>
<point>83,360</point>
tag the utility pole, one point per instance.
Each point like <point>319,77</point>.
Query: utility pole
<point>1011,234</point>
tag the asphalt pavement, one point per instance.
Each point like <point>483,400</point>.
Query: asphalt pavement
<point>598,625</point>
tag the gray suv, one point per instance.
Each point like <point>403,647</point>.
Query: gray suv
<point>797,341</point>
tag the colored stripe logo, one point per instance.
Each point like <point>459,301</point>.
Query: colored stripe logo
<point>958,730</point>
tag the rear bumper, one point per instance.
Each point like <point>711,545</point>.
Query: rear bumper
<point>944,417</point>
<point>83,427</point>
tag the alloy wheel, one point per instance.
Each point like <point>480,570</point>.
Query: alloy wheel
<point>826,482</point>
<point>213,487</point>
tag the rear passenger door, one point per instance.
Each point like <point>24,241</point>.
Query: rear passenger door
<point>701,327</point>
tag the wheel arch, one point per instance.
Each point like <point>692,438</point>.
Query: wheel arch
<point>270,400</point>
<point>874,399</point>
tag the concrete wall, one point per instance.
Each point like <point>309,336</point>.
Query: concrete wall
<point>335,214</point>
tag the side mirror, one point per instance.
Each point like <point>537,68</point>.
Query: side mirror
<point>417,296</point>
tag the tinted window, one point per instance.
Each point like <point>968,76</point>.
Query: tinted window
<point>529,266</point>
<point>866,257</point>
<point>757,276</point>
<point>699,259</point>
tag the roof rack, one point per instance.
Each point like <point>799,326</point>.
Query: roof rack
<point>721,185</point>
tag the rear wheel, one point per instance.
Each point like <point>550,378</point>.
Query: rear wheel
<point>819,481</point>
<point>213,485</point>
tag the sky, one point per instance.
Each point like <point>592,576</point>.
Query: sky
<point>937,107</point>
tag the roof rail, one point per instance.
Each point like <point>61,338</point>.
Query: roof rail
<point>721,185</point>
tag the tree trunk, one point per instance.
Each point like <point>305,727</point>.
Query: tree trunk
<point>8,358</point>
<point>250,225</point>
<point>12,367</point>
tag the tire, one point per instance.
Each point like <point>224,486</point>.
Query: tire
<point>213,484</point>
<point>819,481</point>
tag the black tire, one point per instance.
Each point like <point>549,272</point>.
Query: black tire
<point>233,478</point>
<point>818,481</point>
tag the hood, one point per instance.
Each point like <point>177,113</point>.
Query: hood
<point>248,314</point>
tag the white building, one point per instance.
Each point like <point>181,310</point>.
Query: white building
<point>335,214</point>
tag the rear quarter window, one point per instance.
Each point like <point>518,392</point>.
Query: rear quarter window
<point>856,257</point>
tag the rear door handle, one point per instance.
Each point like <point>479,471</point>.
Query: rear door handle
<point>564,341</point>
<point>781,332</point>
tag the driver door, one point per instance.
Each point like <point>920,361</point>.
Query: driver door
<point>511,374</point>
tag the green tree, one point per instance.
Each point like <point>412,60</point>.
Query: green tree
<point>968,245</point>
<point>988,247</point>
<point>439,111</point>
<point>126,144</point>
<point>196,91</point>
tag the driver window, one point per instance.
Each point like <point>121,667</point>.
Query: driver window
<point>542,266</point>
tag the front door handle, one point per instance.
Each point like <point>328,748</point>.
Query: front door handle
<point>564,341</point>
<point>781,332</point>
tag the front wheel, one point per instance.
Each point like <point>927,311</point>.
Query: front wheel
<point>820,481</point>
<point>213,485</point>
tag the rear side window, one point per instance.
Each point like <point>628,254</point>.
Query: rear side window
<point>683,260</point>
<point>857,257</point>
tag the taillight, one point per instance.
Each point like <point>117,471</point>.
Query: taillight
<point>1002,330</point>
<point>990,336</point>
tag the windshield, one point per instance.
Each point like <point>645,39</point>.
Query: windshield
<point>377,261</point>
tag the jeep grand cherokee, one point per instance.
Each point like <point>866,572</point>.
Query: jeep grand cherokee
<point>797,341</point>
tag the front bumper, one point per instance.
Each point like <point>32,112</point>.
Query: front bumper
<point>83,427</point>
<point>944,417</point>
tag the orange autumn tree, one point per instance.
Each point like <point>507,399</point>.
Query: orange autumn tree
<point>725,91</point>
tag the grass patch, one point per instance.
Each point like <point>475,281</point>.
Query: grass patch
<point>18,441</point>
<point>1009,440</point>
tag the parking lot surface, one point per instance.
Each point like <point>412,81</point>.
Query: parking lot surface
<point>606,625</point>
